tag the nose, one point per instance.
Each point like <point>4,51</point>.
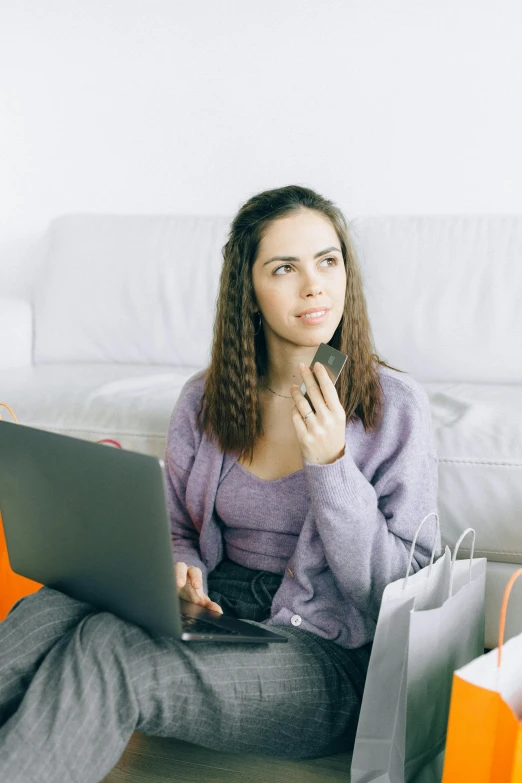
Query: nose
<point>311,285</point>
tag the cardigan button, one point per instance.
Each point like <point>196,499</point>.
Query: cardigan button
<point>290,572</point>
<point>295,619</point>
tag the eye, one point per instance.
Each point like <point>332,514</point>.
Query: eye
<point>331,258</point>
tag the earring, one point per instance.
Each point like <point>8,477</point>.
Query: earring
<point>259,327</point>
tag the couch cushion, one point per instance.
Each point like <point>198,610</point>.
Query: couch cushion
<point>478,430</point>
<point>130,289</point>
<point>129,403</point>
<point>16,332</point>
<point>443,294</point>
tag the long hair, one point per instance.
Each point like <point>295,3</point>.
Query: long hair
<point>230,401</point>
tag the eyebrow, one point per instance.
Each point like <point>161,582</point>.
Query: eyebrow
<point>293,258</point>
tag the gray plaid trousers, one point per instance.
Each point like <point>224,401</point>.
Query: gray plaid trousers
<point>75,683</point>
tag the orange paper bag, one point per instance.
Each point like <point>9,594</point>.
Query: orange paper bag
<point>484,739</point>
<point>12,585</point>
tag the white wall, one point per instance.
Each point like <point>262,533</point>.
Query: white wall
<point>147,106</point>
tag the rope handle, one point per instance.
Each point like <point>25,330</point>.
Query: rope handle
<point>3,404</point>
<point>503,611</point>
<point>412,549</point>
<point>109,440</point>
<point>464,534</point>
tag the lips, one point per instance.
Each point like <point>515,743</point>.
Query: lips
<point>314,318</point>
<point>313,310</point>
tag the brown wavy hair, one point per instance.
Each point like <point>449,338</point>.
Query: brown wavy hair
<point>232,411</point>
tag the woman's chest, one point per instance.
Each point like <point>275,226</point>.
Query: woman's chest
<point>277,453</point>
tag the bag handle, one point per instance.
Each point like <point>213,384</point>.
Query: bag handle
<point>503,611</point>
<point>10,411</point>
<point>465,533</point>
<point>109,440</point>
<point>412,549</point>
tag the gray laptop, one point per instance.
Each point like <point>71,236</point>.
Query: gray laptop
<point>92,522</point>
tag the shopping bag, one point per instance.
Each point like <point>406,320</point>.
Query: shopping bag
<point>429,624</point>
<point>14,586</point>
<point>484,742</point>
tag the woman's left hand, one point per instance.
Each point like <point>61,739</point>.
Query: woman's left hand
<point>322,436</point>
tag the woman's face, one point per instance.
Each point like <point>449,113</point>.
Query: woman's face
<point>285,288</point>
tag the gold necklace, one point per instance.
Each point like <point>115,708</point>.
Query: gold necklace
<point>279,395</point>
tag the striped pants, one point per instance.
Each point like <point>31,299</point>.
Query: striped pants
<point>76,682</point>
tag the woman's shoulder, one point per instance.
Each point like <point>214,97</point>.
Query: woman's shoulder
<point>400,388</point>
<point>188,399</point>
<point>192,390</point>
<point>406,410</point>
<point>182,434</point>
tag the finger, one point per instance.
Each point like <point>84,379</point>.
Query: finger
<point>214,606</point>
<point>196,577</point>
<point>195,595</point>
<point>181,574</point>
<point>328,389</point>
<point>312,389</point>
<point>299,424</point>
<point>200,598</point>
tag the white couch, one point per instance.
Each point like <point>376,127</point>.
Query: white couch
<point>121,314</point>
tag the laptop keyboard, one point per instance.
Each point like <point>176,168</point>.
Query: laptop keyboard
<point>197,625</point>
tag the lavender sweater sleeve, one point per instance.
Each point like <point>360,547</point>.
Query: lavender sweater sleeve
<point>367,523</point>
<point>187,537</point>
<point>184,529</point>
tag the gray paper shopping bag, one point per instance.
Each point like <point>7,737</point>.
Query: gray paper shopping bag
<point>429,624</point>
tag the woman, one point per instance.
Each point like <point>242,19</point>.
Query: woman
<point>281,514</point>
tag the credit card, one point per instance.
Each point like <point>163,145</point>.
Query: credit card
<point>332,359</point>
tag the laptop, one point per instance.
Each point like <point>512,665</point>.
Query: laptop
<point>92,521</point>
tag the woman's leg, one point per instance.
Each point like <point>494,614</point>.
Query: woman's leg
<point>108,677</point>
<point>32,627</point>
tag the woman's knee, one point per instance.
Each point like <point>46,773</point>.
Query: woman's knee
<point>96,628</point>
<point>47,595</point>
<point>104,635</point>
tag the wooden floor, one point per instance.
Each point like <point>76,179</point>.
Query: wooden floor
<point>149,759</point>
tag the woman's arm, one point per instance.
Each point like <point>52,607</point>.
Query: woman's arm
<point>367,526</point>
<point>184,536</point>
<point>179,460</point>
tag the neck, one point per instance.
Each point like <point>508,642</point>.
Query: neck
<point>283,369</point>
<point>273,393</point>
<point>279,388</point>
<point>280,376</point>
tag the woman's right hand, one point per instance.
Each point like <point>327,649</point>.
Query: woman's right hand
<point>189,584</point>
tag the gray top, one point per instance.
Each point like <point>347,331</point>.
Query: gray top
<point>341,541</point>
